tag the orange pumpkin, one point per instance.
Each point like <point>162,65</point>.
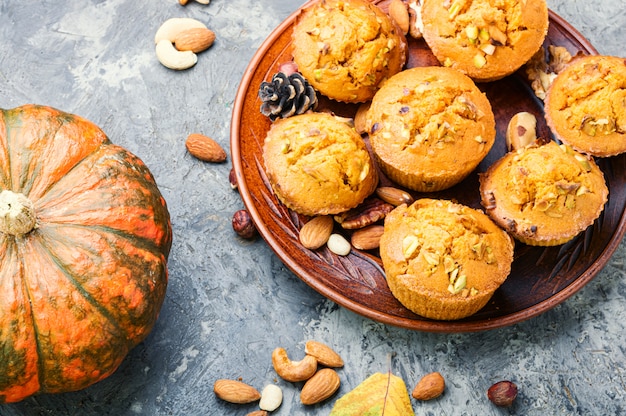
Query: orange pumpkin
<point>84,240</point>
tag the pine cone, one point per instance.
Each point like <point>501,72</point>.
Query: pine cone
<point>286,95</point>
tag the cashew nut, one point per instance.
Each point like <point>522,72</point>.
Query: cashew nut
<point>164,38</point>
<point>293,371</point>
<point>172,58</point>
<point>174,26</point>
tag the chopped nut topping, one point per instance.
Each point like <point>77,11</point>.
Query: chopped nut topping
<point>410,244</point>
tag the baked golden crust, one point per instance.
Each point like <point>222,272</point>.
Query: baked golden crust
<point>586,105</point>
<point>544,195</point>
<point>346,48</point>
<point>484,39</point>
<point>444,260</point>
<point>430,127</point>
<point>318,164</point>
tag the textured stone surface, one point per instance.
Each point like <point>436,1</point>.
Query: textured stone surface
<point>230,302</point>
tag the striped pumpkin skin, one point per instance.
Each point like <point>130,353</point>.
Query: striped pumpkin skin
<point>86,284</point>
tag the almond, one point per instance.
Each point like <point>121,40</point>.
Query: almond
<point>367,238</point>
<point>258,413</point>
<point>316,232</point>
<point>360,118</point>
<point>394,196</point>
<point>429,387</point>
<point>399,13</point>
<point>195,39</point>
<point>234,391</point>
<point>323,353</point>
<point>205,148</point>
<point>320,387</point>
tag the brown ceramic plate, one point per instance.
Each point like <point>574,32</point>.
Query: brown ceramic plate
<point>540,279</point>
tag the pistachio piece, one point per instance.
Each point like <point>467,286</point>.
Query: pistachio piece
<point>480,60</point>
<point>584,162</point>
<point>471,32</point>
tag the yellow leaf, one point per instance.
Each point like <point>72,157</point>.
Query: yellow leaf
<point>378,395</point>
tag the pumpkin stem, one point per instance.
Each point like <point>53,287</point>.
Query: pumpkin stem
<point>17,213</point>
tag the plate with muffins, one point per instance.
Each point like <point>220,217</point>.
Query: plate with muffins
<point>443,166</point>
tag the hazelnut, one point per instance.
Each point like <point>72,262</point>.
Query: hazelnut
<point>502,393</point>
<point>243,224</point>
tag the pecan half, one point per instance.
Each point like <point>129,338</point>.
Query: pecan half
<point>369,212</point>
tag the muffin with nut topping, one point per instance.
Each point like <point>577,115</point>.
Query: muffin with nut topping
<point>430,127</point>
<point>346,48</point>
<point>317,164</point>
<point>444,260</point>
<point>585,106</point>
<point>544,195</point>
<point>485,40</point>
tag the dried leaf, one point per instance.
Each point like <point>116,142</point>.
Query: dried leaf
<point>378,395</point>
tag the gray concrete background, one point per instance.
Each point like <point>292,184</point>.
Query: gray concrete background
<point>230,302</point>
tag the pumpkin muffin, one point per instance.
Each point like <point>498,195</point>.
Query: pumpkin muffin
<point>318,164</point>
<point>544,195</point>
<point>346,48</point>
<point>444,260</point>
<point>484,39</point>
<point>430,127</point>
<point>586,105</point>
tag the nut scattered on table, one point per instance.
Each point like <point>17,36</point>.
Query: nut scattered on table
<point>172,58</point>
<point>232,179</point>
<point>193,36</point>
<point>502,393</point>
<point>170,28</point>
<point>271,398</point>
<point>258,413</point>
<point>323,354</point>
<point>429,387</point>
<point>195,40</point>
<point>184,2</point>
<point>234,391</point>
<point>293,371</point>
<point>205,148</point>
<point>243,224</point>
<point>320,387</point>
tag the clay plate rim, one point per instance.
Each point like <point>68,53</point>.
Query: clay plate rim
<point>541,278</point>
